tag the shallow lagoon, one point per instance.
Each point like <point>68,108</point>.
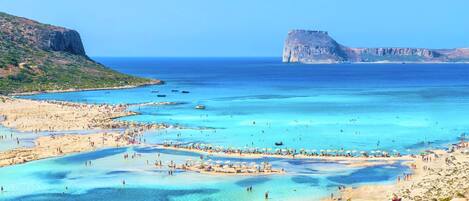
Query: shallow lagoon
<point>68,178</point>
<point>12,139</point>
<point>254,103</point>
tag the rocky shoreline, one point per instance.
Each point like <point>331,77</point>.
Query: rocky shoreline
<point>152,82</point>
<point>317,47</point>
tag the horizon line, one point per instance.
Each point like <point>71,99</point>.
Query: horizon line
<point>186,57</point>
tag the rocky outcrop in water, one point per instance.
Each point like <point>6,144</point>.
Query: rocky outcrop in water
<point>312,46</point>
<point>305,46</point>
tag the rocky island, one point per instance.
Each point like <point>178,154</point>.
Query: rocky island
<point>37,57</point>
<point>316,47</point>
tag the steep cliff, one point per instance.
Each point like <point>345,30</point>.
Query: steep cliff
<point>38,57</point>
<point>312,46</point>
<point>46,37</point>
<point>304,46</point>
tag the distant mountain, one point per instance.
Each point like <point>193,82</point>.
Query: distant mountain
<point>304,46</point>
<point>39,57</point>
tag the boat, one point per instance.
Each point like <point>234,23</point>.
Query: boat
<point>185,92</point>
<point>200,107</point>
<point>161,95</point>
<point>279,143</point>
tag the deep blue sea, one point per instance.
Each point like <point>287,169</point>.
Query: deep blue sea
<point>255,102</point>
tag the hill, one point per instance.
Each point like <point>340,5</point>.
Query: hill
<point>37,57</point>
<point>305,46</point>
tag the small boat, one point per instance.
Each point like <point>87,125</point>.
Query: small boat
<point>156,91</point>
<point>200,107</point>
<point>185,92</point>
<point>279,143</point>
<point>174,90</point>
<point>161,95</point>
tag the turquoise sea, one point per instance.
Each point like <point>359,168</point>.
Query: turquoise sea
<point>255,102</point>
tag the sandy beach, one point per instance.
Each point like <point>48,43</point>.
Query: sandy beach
<point>440,175</point>
<point>220,167</point>
<point>54,146</point>
<point>36,116</point>
<point>348,161</point>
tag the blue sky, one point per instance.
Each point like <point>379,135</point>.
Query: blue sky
<point>204,28</point>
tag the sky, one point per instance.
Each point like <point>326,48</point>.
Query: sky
<point>247,28</point>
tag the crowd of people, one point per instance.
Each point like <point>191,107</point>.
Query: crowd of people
<point>301,153</point>
<point>220,167</point>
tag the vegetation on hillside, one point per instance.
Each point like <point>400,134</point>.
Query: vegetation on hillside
<point>26,67</point>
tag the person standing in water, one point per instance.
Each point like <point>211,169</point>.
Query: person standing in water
<point>266,195</point>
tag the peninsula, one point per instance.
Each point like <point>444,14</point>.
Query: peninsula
<point>317,47</point>
<point>36,57</point>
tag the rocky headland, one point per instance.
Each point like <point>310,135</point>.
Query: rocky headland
<point>37,57</point>
<point>316,47</point>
